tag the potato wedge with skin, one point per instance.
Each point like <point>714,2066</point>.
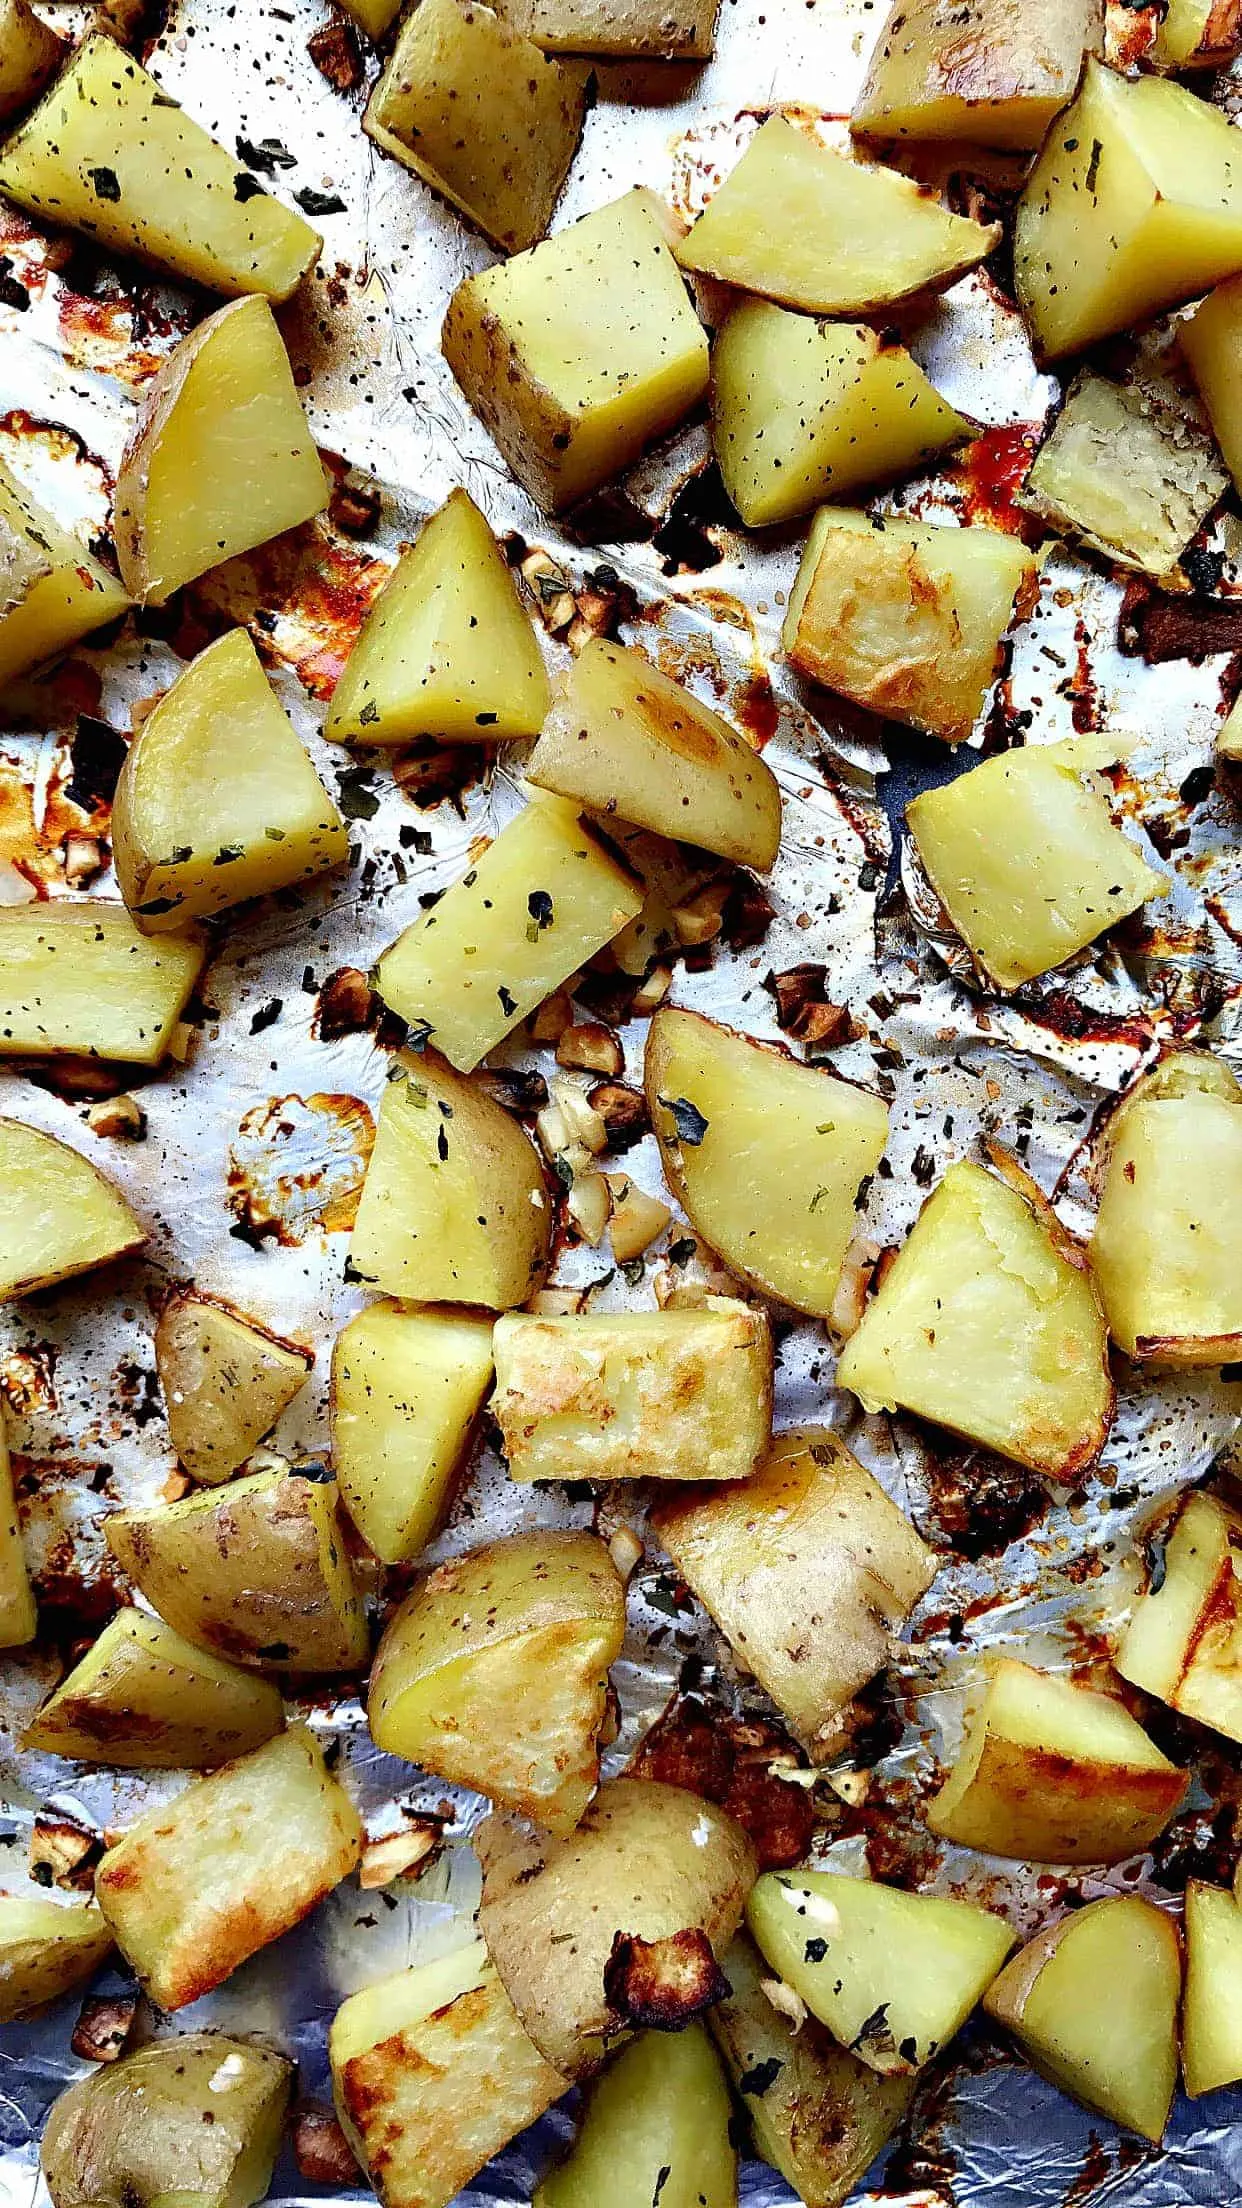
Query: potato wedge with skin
<point>987,1324</point>
<point>1130,471</point>
<point>222,459</point>
<point>1212,2005</point>
<point>448,649</point>
<point>196,2119</point>
<point>990,72</point>
<point>30,55</point>
<point>1211,340</point>
<point>225,1382</point>
<point>579,353</point>
<point>494,1672</point>
<point>471,1226</point>
<point>907,618</point>
<point>407,1387</point>
<point>1197,34</point>
<point>544,897</point>
<point>200,1884</point>
<point>894,1976</point>
<point>813,229</point>
<point>672,1395</point>
<point>433,2075</point>
<point>46,1948</point>
<point>807,1568</point>
<point>144,1699</point>
<point>656,2127</point>
<point>659,29</point>
<point>77,975</point>
<point>765,1155</point>
<point>1184,1639</point>
<point>58,1214</point>
<point>19,1618</point>
<point>256,1571</point>
<point>1134,205</point>
<point>1052,1772</point>
<point>109,153</point>
<point>53,592</point>
<point>1093,2006</point>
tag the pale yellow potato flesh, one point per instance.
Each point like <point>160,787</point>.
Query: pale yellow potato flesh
<point>77,975</point>
<point>222,459</point>
<point>1093,2006</point>
<point>1134,205</point>
<point>144,1699</point>
<point>407,1388</point>
<point>813,229</point>
<point>1212,2001</point>
<point>580,352</point>
<point>30,54</point>
<point>19,1617</point>
<point>987,1324</point>
<point>1130,472</point>
<point>542,899</point>
<point>196,2119</point>
<point>1211,340</point>
<point>58,1214</point>
<point>907,617</point>
<point>1229,737</point>
<point>448,649</point>
<point>45,1948</point>
<point>807,1568</point>
<point>53,592</point>
<point>1184,1639</point>
<point>109,153</point>
<point>1197,34</point>
<point>469,1226</point>
<point>665,1395</point>
<point>482,115</point>
<point>494,1672</point>
<point>1025,857</point>
<point>225,1382</point>
<point>199,1885</point>
<point>994,72</point>
<point>1053,1772</point>
<point>681,30</point>
<point>893,1975</point>
<point>656,2126</point>
<point>372,16</point>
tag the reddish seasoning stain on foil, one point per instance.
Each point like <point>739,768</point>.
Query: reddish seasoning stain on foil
<point>297,1165</point>
<point>305,596</point>
<point>992,471</point>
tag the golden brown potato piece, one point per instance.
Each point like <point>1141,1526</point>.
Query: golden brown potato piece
<point>53,592</point>
<point>654,28</point>
<point>18,1616</point>
<point>225,1381</point>
<point>407,1387</point>
<point>1184,1639</point>
<point>30,55</point>
<point>1196,34</point>
<point>1130,471</point>
<point>1211,339</point>
<point>145,1699</point>
<point>58,1215</point>
<point>657,2124</point>
<point>77,975</point>
<point>991,71</point>
<point>198,1885</point>
<point>1212,2005</point>
<point>45,1948</point>
<point>197,2118</point>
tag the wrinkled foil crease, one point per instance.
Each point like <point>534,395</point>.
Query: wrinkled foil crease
<point>276,1112</point>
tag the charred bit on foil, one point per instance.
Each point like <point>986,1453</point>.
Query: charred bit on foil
<point>662,1985</point>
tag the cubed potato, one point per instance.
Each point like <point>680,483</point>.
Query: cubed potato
<point>58,1215</point>
<point>433,2075</point>
<point>225,1381</point>
<point>1184,1639</point>
<point>222,458</point>
<point>1130,472</point>
<point>907,617</point>
<point>1212,2006</point>
<point>657,2126</point>
<point>45,1948</point>
<point>623,738</point>
<point>990,72</point>
<point>894,1976</point>
<point>807,1568</point>
<point>194,2119</point>
<point>580,352</point>
<point>454,1208</point>
<point>1093,2006</point>
<point>668,1395</point>
<point>30,55</point>
<point>77,975</point>
<point>544,897</point>
<point>668,30</point>
<point>765,1155</point>
<point>203,1882</point>
<point>1134,205</point>
<point>407,1387</point>
<point>144,1699</point>
<point>805,410</point>
<point>18,1616</point>
<point>1211,339</point>
<point>1024,855</point>
<point>256,1571</point>
<point>1167,1248</point>
<point>494,1672</point>
<point>647,1863</point>
<point>1196,34</point>
<point>482,115</point>
<point>987,1323</point>
<point>53,592</point>
<point>108,152</point>
<point>1055,1773</point>
<point>799,223</point>
<point>448,649</point>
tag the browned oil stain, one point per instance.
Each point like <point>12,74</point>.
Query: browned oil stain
<point>297,1165</point>
<point>28,1379</point>
<point>992,471</point>
<point>305,597</point>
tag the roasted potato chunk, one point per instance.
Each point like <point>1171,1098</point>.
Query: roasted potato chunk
<point>807,1568</point>
<point>1130,472</point>
<point>1197,34</point>
<point>144,1699</point>
<point>1212,2005</point>
<point>1211,339</point>
<point>1055,1773</point>
<point>58,1215</point>
<point>30,55</point>
<point>374,16</point>
<point>1093,2005</point>
<point>200,1884</point>
<point>53,592</point>
<point>77,975</point>
<point>1184,1639</point>
<point>656,2126</point>
<point>581,351</point>
<point>450,1214</point>
<point>658,29</point>
<point>225,1381</point>
<point>987,1323</point>
<point>109,153</point>
<point>256,1571</point>
<point>407,1387</point>
<point>18,1616</point>
<point>194,2119</point>
<point>990,71</point>
<point>46,1947</point>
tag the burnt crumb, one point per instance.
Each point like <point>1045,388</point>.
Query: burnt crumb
<point>698,1745</point>
<point>96,757</point>
<point>103,2027</point>
<point>607,993</point>
<point>685,539</point>
<point>267,1015</point>
<point>1198,785</point>
<point>979,1503</point>
<point>874,1724</point>
<point>1203,568</point>
<point>346,1005</point>
<point>519,1090</point>
<point>353,510</point>
<point>12,293</point>
<point>136,1391</point>
<point>662,1985</point>
<point>322,2152</point>
<point>337,55</point>
<point>805,1010</point>
<point>623,1111</point>
<point>747,913</point>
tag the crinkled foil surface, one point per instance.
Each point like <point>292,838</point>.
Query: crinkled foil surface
<point>257,1144</point>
